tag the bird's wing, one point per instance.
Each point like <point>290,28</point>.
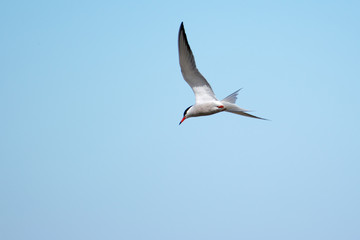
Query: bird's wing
<point>232,97</point>
<point>202,89</point>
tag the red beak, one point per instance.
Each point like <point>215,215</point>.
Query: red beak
<point>182,120</point>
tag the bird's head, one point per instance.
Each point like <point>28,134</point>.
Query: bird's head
<point>186,114</point>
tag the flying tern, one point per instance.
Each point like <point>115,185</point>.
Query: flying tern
<point>205,101</point>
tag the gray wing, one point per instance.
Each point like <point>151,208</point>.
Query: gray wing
<point>202,89</point>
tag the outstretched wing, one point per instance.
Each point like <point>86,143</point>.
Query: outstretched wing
<point>202,89</point>
<point>232,97</point>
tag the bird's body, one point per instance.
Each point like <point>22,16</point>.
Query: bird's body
<point>206,108</point>
<point>205,101</point>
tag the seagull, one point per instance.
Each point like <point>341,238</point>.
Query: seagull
<point>205,101</point>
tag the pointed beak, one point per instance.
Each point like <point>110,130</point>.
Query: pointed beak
<point>182,120</point>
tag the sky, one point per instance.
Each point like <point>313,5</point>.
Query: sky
<point>91,95</point>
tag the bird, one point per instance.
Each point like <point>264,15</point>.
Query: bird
<point>205,101</point>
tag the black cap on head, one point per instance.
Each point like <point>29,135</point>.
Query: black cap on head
<point>187,110</point>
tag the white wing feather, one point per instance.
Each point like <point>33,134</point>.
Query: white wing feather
<point>202,89</point>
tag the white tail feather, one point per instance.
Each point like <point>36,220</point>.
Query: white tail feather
<point>233,108</point>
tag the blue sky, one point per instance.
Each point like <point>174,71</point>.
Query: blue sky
<point>91,95</point>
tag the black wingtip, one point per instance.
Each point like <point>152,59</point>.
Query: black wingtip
<point>182,26</point>
<point>182,33</point>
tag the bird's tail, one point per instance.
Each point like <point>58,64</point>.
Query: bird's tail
<point>230,106</point>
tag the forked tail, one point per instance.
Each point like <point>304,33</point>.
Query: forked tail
<point>229,103</point>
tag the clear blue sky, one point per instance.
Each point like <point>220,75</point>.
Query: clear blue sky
<point>91,95</point>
